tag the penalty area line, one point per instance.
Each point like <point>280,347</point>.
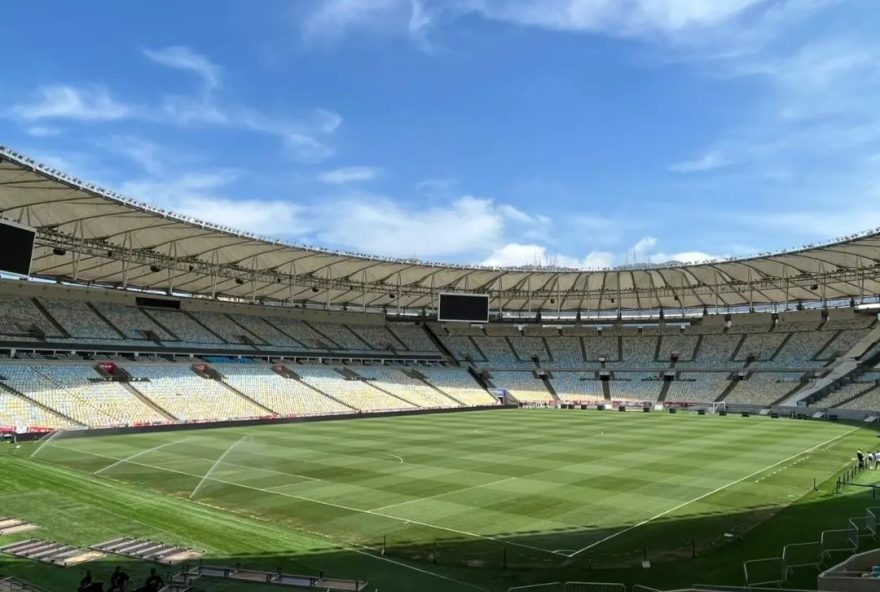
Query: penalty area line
<point>705,495</point>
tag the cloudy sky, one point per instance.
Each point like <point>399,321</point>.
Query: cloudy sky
<point>584,133</point>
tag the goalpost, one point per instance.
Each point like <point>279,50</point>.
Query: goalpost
<point>720,406</point>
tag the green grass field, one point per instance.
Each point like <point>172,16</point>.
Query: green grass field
<point>464,501</point>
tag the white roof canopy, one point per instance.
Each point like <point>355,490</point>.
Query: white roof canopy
<point>88,234</point>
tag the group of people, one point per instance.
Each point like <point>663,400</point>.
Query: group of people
<point>119,581</point>
<point>868,460</point>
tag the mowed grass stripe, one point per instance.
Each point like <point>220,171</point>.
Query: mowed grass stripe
<point>642,465</point>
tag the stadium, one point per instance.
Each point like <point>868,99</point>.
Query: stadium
<point>233,410</point>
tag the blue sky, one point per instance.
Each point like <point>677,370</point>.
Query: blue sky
<point>583,133</point>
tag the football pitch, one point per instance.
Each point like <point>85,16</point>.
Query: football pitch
<point>461,501</point>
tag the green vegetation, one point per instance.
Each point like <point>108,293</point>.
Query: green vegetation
<point>465,501</point>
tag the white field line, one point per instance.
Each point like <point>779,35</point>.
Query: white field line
<point>324,503</point>
<point>348,546</point>
<point>705,495</point>
<point>215,465</point>
<point>45,440</point>
<point>399,459</point>
<point>421,499</point>
<point>231,464</point>
<point>141,453</point>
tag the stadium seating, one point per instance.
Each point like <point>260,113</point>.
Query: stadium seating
<point>410,389</point>
<point>683,344</point>
<point>186,328</point>
<point>270,336</point>
<point>764,388</point>
<point>577,386</point>
<point>19,315</point>
<point>635,386</point>
<point>341,336</point>
<point>78,392</point>
<point>566,352</point>
<point>376,336</point>
<point>357,394</point>
<point>285,396</point>
<point>526,347</point>
<point>189,397</point>
<point>413,337</point>
<point>523,386</point>
<point>697,387</point>
<point>131,321</point>
<point>499,353</point>
<point>79,320</point>
<point>459,385</point>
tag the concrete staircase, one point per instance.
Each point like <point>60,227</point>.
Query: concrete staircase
<point>847,364</point>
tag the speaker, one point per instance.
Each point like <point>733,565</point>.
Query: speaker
<point>832,417</point>
<point>701,412</point>
<point>622,408</point>
<point>673,410</point>
<point>646,409</point>
<point>722,412</point>
<point>583,406</point>
<point>745,413</point>
<point>601,406</point>
<point>774,415</point>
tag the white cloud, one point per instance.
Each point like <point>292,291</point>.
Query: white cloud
<point>200,195</point>
<point>68,102</point>
<point>375,224</point>
<point>345,175</point>
<point>183,58</point>
<point>535,255</point>
<point>618,18</point>
<point>43,131</point>
<point>710,161</point>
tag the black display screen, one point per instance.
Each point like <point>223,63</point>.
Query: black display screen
<point>464,307</point>
<point>16,248</point>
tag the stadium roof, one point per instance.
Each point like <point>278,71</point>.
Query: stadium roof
<point>90,235</point>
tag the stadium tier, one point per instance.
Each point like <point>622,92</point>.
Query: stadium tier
<point>313,364</point>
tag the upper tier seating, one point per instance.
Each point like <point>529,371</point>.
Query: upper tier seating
<point>523,386</point>
<point>131,320</point>
<point>458,384</point>
<point>377,336</point>
<point>265,332</point>
<point>499,353</point>
<point>683,344</point>
<point>716,351</point>
<point>285,396</point>
<point>566,352</point>
<point>224,327</point>
<point>462,347</point>
<point>18,315</point>
<point>79,320</point>
<point>762,346</point>
<point>413,337</point>
<point>601,347</point>
<point>302,332</point>
<point>341,335</point>
<point>189,397</point>
<point>355,393</point>
<point>183,326</point>
<point>526,347</point>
